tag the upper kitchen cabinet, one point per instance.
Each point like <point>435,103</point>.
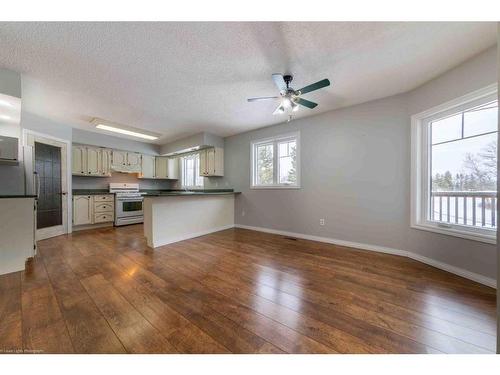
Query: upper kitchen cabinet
<point>105,167</point>
<point>147,166</point>
<point>90,161</point>
<point>212,162</point>
<point>94,156</point>
<point>166,168</point>
<point>79,160</point>
<point>161,166</point>
<point>173,168</point>
<point>134,161</point>
<point>123,161</point>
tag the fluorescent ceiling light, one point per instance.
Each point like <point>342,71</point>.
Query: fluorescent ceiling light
<point>127,132</point>
<point>5,117</point>
<point>122,129</point>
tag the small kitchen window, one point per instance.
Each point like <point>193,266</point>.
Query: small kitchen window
<point>276,162</point>
<point>190,171</point>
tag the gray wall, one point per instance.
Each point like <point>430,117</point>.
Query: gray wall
<point>356,174</point>
<point>10,83</point>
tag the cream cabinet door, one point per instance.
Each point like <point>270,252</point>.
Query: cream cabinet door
<point>203,163</point>
<point>134,161</point>
<point>173,168</point>
<point>218,162</point>
<point>210,163</point>
<point>93,161</point>
<point>161,167</point>
<point>79,160</point>
<point>147,166</point>
<point>119,160</point>
<point>105,165</point>
<point>82,209</point>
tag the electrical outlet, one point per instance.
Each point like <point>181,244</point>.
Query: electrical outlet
<point>243,213</point>
<point>321,222</point>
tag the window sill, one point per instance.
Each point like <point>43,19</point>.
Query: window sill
<point>271,187</point>
<point>473,235</point>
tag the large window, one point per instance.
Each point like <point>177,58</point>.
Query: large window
<point>455,167</point>
<point>190,171</point>
<point>276,162</point>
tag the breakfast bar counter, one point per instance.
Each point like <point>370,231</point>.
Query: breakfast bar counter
<point>179,215</point>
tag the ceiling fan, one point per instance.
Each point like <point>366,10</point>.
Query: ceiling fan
<point>290,98</point>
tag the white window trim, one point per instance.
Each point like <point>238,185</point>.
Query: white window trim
<point>182,173</point>
<point>420,168</point>
<point>274,140</point>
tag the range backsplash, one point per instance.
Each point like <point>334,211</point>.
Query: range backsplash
<point>80,182</point>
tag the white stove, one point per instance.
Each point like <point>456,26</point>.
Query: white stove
<point>128,203</point>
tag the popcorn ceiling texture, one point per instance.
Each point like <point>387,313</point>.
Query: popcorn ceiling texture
<point>182,78</point>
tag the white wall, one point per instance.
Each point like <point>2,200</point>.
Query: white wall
<point>356,174</point>
<point>11,176</point>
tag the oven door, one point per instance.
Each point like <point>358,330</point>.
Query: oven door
<point>127,207</point>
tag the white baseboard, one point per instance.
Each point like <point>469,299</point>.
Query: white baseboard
<point>382,249</point>
<point>190,235</point>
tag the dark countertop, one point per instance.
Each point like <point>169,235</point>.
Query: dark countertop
<point>18,196</point>
<point>90,191</point>
<point>180,193</point>
<point>158,193</point>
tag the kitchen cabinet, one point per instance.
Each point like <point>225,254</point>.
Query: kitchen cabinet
<point>91,161</point>
<point>147,166</point>
<point>173,168</point>
<point>166,168</point>
<point>212,162</point>
<point>105,167</point>
<point>134,161</point>
<point>161,166</point>
<point>93,209</point>
<point>119,160</point>
<point>94,161</point>
<point>82,209</point>
<point>123,161</point>
<point>79,160</point>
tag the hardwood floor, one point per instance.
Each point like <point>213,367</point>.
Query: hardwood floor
<point>236,291</point>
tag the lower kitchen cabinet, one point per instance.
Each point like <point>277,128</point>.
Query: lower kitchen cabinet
<point>93,209</point>
<point>82,209</point>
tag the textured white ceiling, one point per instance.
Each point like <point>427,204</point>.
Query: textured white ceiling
<point>181,78</point>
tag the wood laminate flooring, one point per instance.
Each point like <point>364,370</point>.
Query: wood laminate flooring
<point>236,291</point>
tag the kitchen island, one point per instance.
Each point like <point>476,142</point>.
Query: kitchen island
<point>172,216</point>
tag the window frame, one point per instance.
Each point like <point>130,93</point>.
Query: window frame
<point>182,164</point>
<point>421,165</point>
<point>275,140</point>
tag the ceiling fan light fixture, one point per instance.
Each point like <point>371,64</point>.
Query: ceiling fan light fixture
<point>295,107</point>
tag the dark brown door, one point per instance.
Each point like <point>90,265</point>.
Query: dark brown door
<point>48,168</point>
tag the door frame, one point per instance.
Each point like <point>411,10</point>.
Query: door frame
<point>34,136</point>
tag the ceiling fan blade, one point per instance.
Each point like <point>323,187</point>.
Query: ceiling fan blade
<point>279,81</point>
<point>315,86</point>
<point>306,103</point>
<point>262,98</point>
